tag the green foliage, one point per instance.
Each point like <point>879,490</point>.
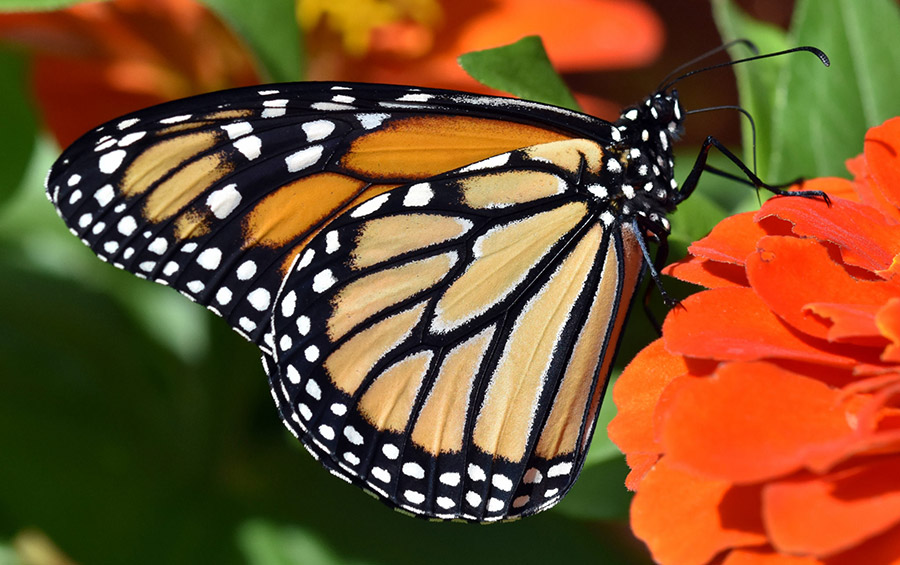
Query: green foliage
<point>34,5</point>
<point>270,29</point>
<point>17,122</point>
<point>521,69</point>
<point>809,119</point>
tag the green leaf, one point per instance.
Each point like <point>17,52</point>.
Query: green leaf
<point>267,543</point>
<point>521,69</point>
<point>32,5</point>
<point>18,126</point>
<point>271,30</point>
<point>756,81</point>
<point>825,115</point>
<point>599,493</point>
<point>812,118</point>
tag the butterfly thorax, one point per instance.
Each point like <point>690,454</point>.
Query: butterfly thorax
<point>643,162</point>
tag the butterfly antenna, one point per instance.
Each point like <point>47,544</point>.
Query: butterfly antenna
<point>746,42</point>
<point>746,114</point>
<point>814,50</point>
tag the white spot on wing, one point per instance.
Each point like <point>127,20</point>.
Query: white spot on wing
<point>418,195</point>
<point>127,225</point>
<point>369,206</point>
<point>560,469</point>
<point>414,496</point>
<point>223,295</point>
<point>415,97</point>
<point>104,194</point>
<point>249,325</point>
<point>246,270</point>
<point>332,243</point>
<point>495,505</point>
<point>490,162</point>
<point>371,121</point>
<point>260,299</point>
<point>381,474</point>
<point>111,161</point>
<point>237,129</point>
<point>158,246</point>
<point>330,106</point>
<point>127,123</point>
<point>413,470</point>
<point>304,158</point>
<point>222,202</point>
<point>131,138</point>
<point>502,482</point>
<point>250,146</point>
<point>289,304</point>
<point>313,389</point>
<point>176,119</point>
<point>317,129</point>
<point>323,281</point>
<point>353,436</point>
<point>210,258</point>
<point>476,473</point>
<point>196,286</point>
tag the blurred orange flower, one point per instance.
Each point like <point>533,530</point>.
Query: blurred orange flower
<point>93,62</point>
<point>764,426</point>
<point>418,41</point>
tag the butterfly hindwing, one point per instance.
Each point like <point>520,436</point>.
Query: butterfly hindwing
<point>445,344</point>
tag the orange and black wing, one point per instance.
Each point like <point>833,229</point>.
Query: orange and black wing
<point>446,344</point>
<point>215,195</point>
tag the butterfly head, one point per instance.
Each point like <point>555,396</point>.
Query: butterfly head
<point>648,131</point>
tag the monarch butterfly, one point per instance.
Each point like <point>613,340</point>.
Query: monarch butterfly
<point>437,280</point>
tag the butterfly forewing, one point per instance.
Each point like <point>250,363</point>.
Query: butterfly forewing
<point>214,195</point>
<point>443,344</point>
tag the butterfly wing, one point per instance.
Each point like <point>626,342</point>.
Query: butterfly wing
<point>215,195</point>
<point>446,344</point>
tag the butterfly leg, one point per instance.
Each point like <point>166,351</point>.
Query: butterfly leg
<point>700,165</point>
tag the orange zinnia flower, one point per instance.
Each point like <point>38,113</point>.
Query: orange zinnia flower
<point>96,61</point>
<point>764,426</point>
<point>418,41</point>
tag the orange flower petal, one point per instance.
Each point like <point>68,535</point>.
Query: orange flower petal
<point>640,464</point>
<point>623,33</point>
<point>734,324</point>
<point>711,274</point>
<point>750,422</point>
<point>788,273</point>
<point>730,241</point>
<point>823,515</point>
<point>96,61</point>
<point>678,515</point>
<point>882,150</point>
<point>883,549</point>
<point>636,393</point>
<point>867,189</point>
<point>766,557</point>
<point>866,237</point>
<point>888,322</point>
<point>851,323</point>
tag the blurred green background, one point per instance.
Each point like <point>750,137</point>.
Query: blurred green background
<point>135,427</point>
